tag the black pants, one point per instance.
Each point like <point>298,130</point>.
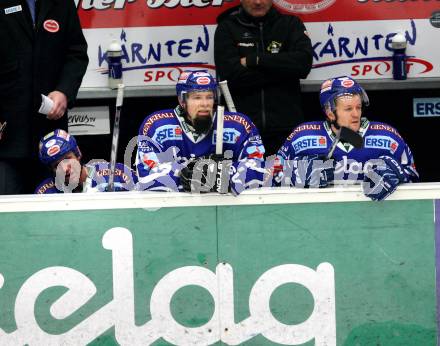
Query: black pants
<point>20,176</point>
<point>11,177</point>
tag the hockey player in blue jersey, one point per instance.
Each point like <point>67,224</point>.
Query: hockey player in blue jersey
<point>176,146</point>
<point>60,152</point>
<point>384,162</point>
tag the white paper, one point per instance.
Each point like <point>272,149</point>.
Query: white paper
<point>46,105</point>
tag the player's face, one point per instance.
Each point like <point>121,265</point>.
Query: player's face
<point>349,111</point>
<point>256,8</point>
<point>70,166</point>
<point>200,104</point>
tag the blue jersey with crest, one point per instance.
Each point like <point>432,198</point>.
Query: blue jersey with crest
<point>379,139</point>
<point>98,174</point>
<point>166,142</point>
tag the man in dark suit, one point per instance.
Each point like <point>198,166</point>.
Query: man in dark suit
<point>42,51</point>
<point>263,53</point>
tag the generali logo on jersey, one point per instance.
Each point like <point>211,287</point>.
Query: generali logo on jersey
<point>303,6</point>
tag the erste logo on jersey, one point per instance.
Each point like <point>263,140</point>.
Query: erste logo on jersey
<point>230,136</point>
<point>381,142</point>
<point>309,142</point>
<point>167,133</point>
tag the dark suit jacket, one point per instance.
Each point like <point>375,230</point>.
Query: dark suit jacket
<point>35,60</point>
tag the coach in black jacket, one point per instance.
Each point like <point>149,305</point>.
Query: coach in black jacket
<point>41,54</point>
<point>263,54</point>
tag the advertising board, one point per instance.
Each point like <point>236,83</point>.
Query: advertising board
<point>161,38</point>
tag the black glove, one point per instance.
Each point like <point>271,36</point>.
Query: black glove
<point>206,174</point>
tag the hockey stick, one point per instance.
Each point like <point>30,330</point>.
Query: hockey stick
<point>115,139</point>
<point>228,98</point>
<point>219,133</point>
<point>348,135</point>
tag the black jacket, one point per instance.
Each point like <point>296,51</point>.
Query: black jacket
<point>35,61</point>
<point>278,53</point>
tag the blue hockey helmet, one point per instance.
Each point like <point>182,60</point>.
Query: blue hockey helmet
<point>190,81</point>
<point>55,145</point>
<point>334,88</point>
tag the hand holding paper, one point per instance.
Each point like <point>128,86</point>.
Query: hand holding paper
<point>46,105</point>
<point>54,105</point>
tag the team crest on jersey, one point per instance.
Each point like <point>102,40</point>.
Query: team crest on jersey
<point>150,160</point>
<point>255,152</point>
<point>167,133</point>
<point>274,47</point>
<point>309,142</point>
<point>230,136</point>
<point>381,142</point>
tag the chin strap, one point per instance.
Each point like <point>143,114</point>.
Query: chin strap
<point>334,122</point>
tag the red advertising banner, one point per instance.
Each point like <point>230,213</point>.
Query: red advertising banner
<point>152,13</point>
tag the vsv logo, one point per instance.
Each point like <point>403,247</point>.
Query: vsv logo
<point>119,313</point>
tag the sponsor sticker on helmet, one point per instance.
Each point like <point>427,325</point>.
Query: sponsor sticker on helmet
<point>51,25</point>
<point>52,151</point>
<point>203,80</point>
<point>50,134</point>
<point>326,85</point>
<point>201,74</point>
<point>63,134</point>
<point>183,77</point>
<point>50,143</point>
<point>347,83</point>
